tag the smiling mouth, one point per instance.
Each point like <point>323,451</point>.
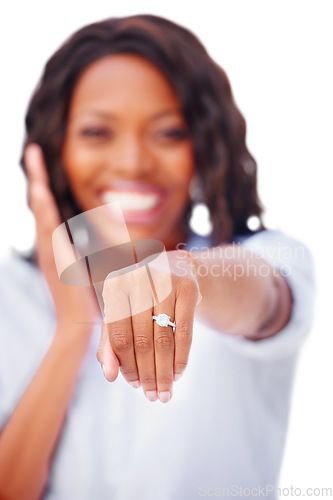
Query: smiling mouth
<point>131,201</point>
<point>140,203</point>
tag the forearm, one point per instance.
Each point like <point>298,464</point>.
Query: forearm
<point>31,434</point>
<point>241,293</point>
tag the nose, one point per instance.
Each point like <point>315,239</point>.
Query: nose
<point>132,158</point>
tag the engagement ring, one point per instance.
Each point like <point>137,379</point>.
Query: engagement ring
<point>164,320</point>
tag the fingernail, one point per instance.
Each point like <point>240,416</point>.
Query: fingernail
<point>151,395</point>
<point>164,396</point>
<point>104,371</point>
<point>135,384</point>
<point>177,376</point>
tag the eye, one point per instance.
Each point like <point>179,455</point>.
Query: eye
<point>174,133</point>
<point>95,132</point>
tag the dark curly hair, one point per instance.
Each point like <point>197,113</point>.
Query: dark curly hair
<point>225,168</point>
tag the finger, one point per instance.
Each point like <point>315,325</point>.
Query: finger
<point>39,193</point>
<point>53,247</point>
<point>46,220</point>
<point>44,208</point>
<point>164,350</point>
<point>186,301</point>
<point>142,325</point>
<point>120,331</point>
<point>45,211</point>
<point>35,165</point>
<point>107,358</point>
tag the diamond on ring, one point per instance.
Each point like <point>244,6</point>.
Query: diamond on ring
<point>164,320</point>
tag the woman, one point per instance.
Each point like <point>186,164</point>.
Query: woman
<point>133,110</point>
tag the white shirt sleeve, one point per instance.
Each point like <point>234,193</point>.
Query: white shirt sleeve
<point>294,262</point>
<point>27,324</point>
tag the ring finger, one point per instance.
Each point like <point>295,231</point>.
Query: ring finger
<point>164,344</point>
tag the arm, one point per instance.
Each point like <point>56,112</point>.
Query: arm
<point>241,293</point>
<point>28,440</point>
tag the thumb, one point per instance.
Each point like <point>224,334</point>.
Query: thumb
<point>106,356</point>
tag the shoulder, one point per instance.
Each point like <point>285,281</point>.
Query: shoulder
<point>291,256</point>
<point>25,300</point>
<point>20,279</point>
<point>270,237</point>
<point>26,327</point>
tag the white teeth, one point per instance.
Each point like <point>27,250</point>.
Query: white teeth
<point>131,201</point>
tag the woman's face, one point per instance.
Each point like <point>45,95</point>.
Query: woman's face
<point>126,140</point>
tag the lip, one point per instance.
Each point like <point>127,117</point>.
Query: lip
<point>122,185</point>
<point>137,216</point>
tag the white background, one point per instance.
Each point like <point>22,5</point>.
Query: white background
<point>278,56</point>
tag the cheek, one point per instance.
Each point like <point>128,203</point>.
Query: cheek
<point>79,165</point>
<point>181,166</point>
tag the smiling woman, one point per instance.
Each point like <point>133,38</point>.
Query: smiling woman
<point>204,99</point>
<point>133,110</point>
<point>126,140</point>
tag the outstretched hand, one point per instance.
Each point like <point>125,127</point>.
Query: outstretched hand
<point>150,355</point>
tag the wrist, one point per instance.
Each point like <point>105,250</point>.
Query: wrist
<point>71,330</point>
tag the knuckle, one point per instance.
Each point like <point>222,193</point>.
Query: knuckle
<point>187,285</point>
<point>143,343</point>
<point>165,381</point>
<point>184,332</point>
<point>117,283</point>
<point>120,341</point>
<point>138,275</point>
<point>129,373</point>
<point>164,342</point>
<point>180,366</point>
<point>148,381</point>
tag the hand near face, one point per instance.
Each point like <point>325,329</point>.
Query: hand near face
<point>74,305</point>
<point>150,355</point>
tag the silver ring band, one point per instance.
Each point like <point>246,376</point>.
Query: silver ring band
<point>164,320</point>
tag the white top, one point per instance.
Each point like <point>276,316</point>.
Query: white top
<point>225,426</point>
